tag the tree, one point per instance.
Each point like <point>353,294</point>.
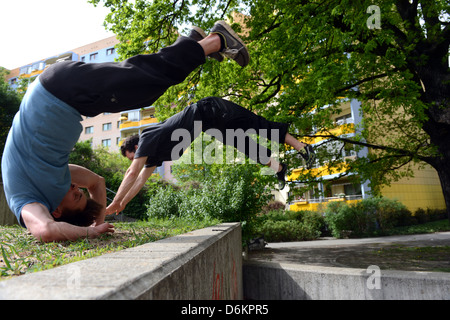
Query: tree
<point>307,57</point>
<point>9,105</point>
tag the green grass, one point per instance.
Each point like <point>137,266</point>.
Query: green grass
<point>21,253</point>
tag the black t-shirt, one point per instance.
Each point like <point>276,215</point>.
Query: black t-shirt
<point>163,142</point>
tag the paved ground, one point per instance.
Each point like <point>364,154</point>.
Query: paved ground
<point>428,252</point>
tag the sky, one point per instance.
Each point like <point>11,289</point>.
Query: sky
<point>31,30</point>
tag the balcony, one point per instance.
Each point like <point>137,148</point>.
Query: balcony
<point>137,123</point>
<point>318,172</point>
<point>314,204</point>
<point>342,129</point>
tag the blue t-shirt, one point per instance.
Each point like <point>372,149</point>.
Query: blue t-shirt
<point>36,155</point>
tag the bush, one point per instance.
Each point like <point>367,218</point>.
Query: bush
<point>428,215</point>
<point>368,217</point>
<point>280,225</point>
<point>288,230</point>
<point>236,195</point>
<point>273,205</point>
<point>165,203</point>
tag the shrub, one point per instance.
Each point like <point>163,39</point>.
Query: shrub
<point>367,217</point>
<point>280,225</point>
<point>288,230</point>
<point>236,195</point>
<point>273,205</point>
<point>423,216</point>
<point>164,204</point>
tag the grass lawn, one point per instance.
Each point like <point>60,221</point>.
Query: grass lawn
<point>21,253</point>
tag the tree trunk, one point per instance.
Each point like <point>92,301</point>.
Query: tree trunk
<point>444,177</point>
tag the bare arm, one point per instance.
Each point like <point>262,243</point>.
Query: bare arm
<point>131,176</point>
<point>41,224</point>
<point>94,183</point>
<point>138,185</point>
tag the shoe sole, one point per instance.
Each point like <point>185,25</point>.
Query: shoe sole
<point>200,32</point>
<point>244,52</point>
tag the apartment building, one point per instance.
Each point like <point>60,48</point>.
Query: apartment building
<point>422,191</point>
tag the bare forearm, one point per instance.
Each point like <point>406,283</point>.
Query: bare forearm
<point>125,187</point>
<point>138,184</point>
<point>43,227</point>
<point>62,231</point>
<point>98,193</point>
<point>130,178</point>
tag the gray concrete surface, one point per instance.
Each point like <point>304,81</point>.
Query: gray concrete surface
<point>347,269</point>
<point>203,264</point>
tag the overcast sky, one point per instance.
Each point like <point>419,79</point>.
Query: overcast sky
<point>31,30</point>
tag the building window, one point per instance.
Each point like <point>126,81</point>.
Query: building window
<point>107,126</point>
<point>110,51</point>
<point>25,70</point>
<point>106,143</point>
<point>89,130</point>
<point>83,59</point>
<point>133,116</point>
<point>93,56</point>
<point>344,119</point>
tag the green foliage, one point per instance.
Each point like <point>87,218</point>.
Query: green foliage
<point>233,193</point>
<point>372,216</point>
<point>279,225</point>
<point>9,105</point>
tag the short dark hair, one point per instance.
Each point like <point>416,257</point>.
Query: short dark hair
<point>129,144</point>
<point>82,218</point>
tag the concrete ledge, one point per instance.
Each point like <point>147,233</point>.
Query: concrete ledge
<point>274,281</point>
<point>203,264</point>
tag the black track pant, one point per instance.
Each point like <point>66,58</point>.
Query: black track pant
<point>235,123</point>
<point>93,88</point>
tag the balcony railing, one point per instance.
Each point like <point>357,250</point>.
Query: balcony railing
<point>135,124</point>
<point>330,199</point>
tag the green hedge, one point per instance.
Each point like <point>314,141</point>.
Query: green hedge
<point>373,216</point>
<point>280,225</point>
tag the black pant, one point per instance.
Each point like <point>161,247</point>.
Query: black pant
<point>223,115</point>
<point>93,88</point>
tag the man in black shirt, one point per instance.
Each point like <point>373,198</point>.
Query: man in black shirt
<point>225,120</point>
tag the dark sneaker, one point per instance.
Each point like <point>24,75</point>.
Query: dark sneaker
<point>308,155</point>
<point>234,48</point>
<point>281,176</point>
<point>198,34</point>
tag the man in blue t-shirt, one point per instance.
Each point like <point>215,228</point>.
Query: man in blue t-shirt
<point>41,188</point>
